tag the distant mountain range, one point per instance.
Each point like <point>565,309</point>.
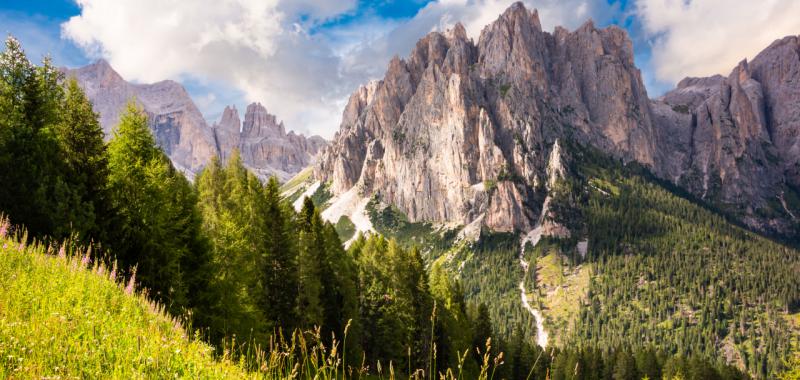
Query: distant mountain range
<point>186,137</point>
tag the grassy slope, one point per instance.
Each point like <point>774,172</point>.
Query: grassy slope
<point>61,320</point>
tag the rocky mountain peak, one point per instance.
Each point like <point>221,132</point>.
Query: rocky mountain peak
<point>260,123</point>
<point>230,120</point>
<point>462,131</point>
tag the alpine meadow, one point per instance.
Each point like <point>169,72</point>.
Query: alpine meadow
<point>485,199</point>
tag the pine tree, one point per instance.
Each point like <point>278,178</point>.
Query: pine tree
<point>482,330</point>
<point>84,154</point>
<point>155,204</point>
<point>34,193</point>
<point>229,202</point>
<point>280,264</point>
<point>311,254</point>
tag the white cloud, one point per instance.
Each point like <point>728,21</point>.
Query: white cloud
<point>706,37</point>
<point>264,49</point>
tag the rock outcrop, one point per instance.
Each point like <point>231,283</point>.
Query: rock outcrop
<point>462,130</point>
<point>263,143</point>
<point>182,132</point>
<point>177,124</point>
<point>735,141</point>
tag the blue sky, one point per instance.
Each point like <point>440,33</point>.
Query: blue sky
<point>302,58</point>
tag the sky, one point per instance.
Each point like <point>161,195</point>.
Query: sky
<point>303,58</point>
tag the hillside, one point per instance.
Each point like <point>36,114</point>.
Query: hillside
<point>65,318</point>
<point>625,259</point>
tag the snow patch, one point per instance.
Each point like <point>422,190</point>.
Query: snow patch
<point>352,205</point>
<point>298,203</point>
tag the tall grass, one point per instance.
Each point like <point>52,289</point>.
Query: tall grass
<point>63,316</point>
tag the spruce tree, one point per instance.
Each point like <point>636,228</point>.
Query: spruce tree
<point>34,191</point>
<point>310,257</point>
<point>157,221</point>
<point>280,281</point>
<point>84,154</point>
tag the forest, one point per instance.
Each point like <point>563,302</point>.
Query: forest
<point>229,257</point>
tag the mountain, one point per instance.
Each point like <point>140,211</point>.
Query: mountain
<point>183,133</point>
<point>176,122</point>
<point>536,169</point>
<point>264,145</point>
<point>457,116</point>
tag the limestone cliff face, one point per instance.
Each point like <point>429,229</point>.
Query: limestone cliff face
<point>177,124</point>
<point>182,132</point>
<point>462,130</point>
<point>263,143</point>
<point>735,140</point>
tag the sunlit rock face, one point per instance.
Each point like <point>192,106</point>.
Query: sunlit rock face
<point>263,143</point>
<point>462,129</point>
<point>185,136</point>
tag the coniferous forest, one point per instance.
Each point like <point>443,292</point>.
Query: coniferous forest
<point>231,259</point>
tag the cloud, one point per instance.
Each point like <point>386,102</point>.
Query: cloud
<point>291,55</point>
<point>706,37</point>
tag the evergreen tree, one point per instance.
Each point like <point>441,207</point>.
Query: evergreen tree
<point>157,221</point>
<point>624,366</point>
<point>280,261</point>
<point>35,193</point>
<point>235,228</point>
<point>84,154</point>
<point>482,330</point>
<point>311,255</point>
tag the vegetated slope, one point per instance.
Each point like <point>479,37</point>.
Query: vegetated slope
<point>66,318</point>
<point>671,273</point>
<point>661,270</point>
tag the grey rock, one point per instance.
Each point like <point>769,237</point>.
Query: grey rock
<point>461,131</point>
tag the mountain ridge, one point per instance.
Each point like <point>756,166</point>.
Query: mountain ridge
<point>498,105</point>
<point>182,131</point>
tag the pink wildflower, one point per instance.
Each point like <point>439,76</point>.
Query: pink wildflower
<point>21,247</point>
<point>4,225</point>
<point>131,283</point>
<point>113,275</point>
<point>85,260</point>
<point>62,252</point>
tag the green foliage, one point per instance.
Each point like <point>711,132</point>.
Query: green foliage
<point>661,260</point>
<point>64,317</point>
<point>682,108</point>
<point>504,89</point>
<point>391,222</point>
<point>157,221</point>
<point>37,159</point>
<point>345,228</point>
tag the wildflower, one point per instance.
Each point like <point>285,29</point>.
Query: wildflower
<point>4,225</point>
<point>131,283</point>
<point>62,252</point>
<point>85,259</point>
<point>113,275</point>
<point>21,246</point>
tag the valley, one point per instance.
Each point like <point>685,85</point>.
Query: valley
<point>507,202</point>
